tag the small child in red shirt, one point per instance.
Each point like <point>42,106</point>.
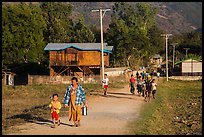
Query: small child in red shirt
<point>55,106</point>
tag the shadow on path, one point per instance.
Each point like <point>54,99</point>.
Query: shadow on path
<point>33,119</point>
<point>115,95</point>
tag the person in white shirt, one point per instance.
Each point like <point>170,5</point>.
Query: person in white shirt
<point>158,75</point>
<point>154,88</point>
<point>105,84</point>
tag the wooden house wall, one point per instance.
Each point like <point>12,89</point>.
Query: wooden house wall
<point>74,57</point>
<point>89,58</point>
<point>106,59</point>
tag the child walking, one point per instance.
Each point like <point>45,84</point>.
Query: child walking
<point>143,87</point>
<point>139,85</point>
<point>55,106</point>
<point>148,85</point>
<point>105,84</point>
<point>154,88</point>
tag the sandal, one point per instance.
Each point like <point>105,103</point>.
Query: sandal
<point>76,124</point>
<point>53,126</point>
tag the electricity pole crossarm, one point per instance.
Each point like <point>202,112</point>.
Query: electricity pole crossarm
<point>166,37</point>
<point>94,10</point>
<point>105,11</point>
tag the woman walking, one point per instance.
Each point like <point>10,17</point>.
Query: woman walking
<point>75,98</point>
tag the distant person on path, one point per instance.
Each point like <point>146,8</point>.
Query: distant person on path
<point>75,98</point>
<point>139,85</point>
<point>55,106</point>
<point>137,74</point>
<point>132,84</point>
<point>152,76</point>
<point>148,88</point>
<point>143,87</point>
<point>154,88</point>
<point>146,75</point>
<point>105,82</point>
<point>158,75</point>
<point>143,75</point>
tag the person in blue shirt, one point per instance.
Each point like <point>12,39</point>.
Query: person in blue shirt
<point>75,98</point>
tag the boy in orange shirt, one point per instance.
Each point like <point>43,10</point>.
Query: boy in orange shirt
<point>55,106</point>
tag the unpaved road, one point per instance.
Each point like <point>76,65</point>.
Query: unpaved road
<point>106,116</point>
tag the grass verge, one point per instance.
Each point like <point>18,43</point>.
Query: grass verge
<point>177,110</point>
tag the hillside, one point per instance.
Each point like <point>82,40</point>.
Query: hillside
<point>173,17</point>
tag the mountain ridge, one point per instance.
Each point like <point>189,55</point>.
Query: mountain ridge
<point>172,17</point>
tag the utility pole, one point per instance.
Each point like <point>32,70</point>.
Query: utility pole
<point>186,51</point>
<point>174,44</point>
<point>102,13</point>
<point>166,37</point>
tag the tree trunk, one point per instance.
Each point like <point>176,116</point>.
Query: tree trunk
<point>128,60</point>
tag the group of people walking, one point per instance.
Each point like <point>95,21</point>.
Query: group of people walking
<point>145,86</point>
<point>75,98</point>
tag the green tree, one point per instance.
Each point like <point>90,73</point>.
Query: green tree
<point>59,24</point>
<point>83,33</point>
<point>191,40</point>
<point>22,33</point>
<point>129,33</point>
<point>97,33</point>
<point>156,41</point>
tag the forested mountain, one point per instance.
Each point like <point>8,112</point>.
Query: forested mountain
<point>173,17</point>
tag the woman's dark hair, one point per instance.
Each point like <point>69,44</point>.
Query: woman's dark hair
<point>74,78</point>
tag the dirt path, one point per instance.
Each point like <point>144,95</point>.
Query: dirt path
<point>106,115</point>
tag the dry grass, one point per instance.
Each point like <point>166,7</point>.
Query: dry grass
<point>27,103</point>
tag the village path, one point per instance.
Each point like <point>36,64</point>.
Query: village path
<point>106,116</point>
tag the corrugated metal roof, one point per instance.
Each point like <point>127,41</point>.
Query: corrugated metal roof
<point>187,60</point>
<point>79,46</point>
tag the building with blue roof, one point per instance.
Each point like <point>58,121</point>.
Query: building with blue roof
<point>77,59</point>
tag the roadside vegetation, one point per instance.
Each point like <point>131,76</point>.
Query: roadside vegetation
<point>177,110</point>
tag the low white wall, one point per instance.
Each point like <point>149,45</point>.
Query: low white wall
<point>186,77</point>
